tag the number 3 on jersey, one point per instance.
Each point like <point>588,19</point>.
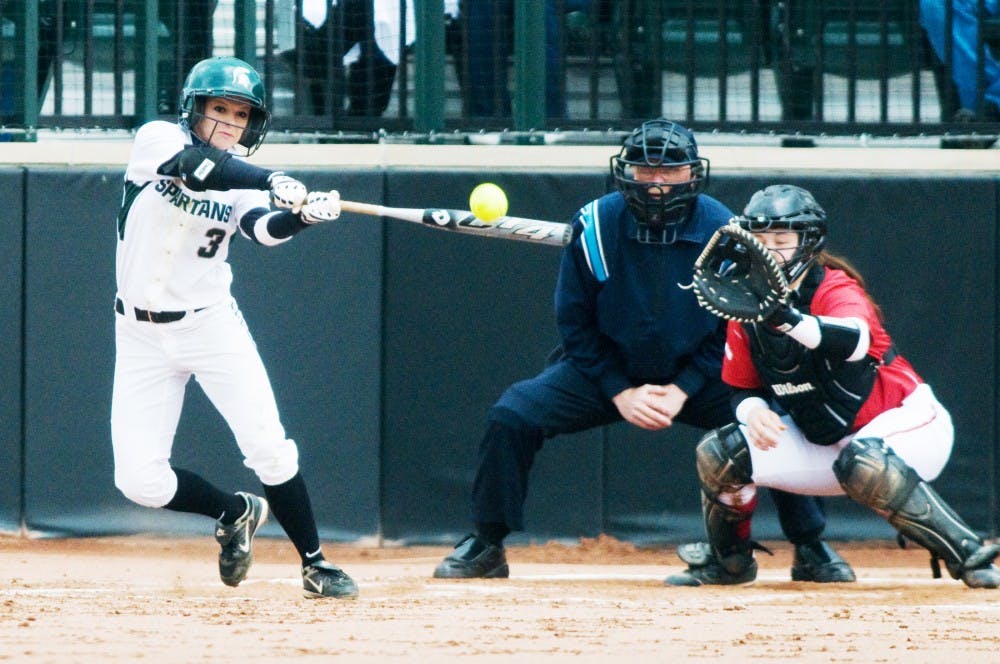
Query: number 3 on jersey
<point>215,237</point>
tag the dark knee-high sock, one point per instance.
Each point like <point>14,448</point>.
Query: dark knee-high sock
<point>196,495</point>
<point>802,518</point>
<point>492,533</point>
<point>291,506</point>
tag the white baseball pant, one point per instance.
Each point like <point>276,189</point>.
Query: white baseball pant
<point>919,431</point>
<point>154,363</point>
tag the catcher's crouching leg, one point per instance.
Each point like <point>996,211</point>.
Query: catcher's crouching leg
<point>872,474</point>
<point>728,500</point>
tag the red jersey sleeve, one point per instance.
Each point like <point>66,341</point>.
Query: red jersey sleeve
<point>840,296</point>
<point>737,367</point>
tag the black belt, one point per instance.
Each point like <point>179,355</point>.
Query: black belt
<point>151,316</point>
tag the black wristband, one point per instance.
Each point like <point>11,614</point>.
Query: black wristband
<point>785,318</point>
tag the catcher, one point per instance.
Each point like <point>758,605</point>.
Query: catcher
<point>824,404</point>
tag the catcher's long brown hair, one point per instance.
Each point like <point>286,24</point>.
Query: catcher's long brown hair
<point>836,262</point>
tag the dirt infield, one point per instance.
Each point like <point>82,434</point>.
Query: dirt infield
<point>160,600</point>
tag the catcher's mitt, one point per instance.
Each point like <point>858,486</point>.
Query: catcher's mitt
<point>737,278</point>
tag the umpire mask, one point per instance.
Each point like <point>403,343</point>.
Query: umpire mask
<point>660,174</point>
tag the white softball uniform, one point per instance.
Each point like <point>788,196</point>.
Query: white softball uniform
<point>919,431</point>
<point>171,268</point>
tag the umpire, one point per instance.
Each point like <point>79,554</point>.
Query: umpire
<point>635,346</point>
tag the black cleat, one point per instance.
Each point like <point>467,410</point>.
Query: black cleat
<point>987,576</point>
<point>978,570</point>
<point>474,559</point>
<point>819,563</point>
<point>322,579</point>
<point>237,540</point>
<point>704,568</point>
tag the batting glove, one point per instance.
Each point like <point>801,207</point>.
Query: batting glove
<point>321,206</point>
<point>287,193</point>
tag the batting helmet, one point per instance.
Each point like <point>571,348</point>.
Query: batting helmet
<point>660,208</point>
<point>785,207</point>
<point>230,78</point>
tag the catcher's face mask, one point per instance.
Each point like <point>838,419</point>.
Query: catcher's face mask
<point>660,174</point>
<point>781,209</point>
<point>787,247</point>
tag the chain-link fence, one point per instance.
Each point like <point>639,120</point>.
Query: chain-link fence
<point>378,67</point>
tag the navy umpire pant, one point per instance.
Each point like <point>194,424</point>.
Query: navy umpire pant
<point>562,400</point>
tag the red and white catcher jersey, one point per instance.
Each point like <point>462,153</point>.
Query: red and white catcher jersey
<point>838,296</point>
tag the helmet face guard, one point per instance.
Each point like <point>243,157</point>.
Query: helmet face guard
<point>661,207</point>
<point>783,208</point>
<point>228,78</point>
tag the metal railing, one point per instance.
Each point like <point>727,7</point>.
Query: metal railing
<point>835,67</point>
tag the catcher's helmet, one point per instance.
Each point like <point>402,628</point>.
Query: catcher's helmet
<point>785,207</point>
<point>660,209</point>
<point>230,78</point>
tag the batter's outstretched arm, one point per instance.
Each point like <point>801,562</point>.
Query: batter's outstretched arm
<point>271,228</point>
<point>268,228</point>
<point>202,168</point>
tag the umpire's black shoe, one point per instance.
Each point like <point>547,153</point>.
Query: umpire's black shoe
<point>237,540</point>
<point>473,558</point>
<point>817,562</point>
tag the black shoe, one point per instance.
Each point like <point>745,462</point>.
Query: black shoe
<point>237,540</point>
<point>964,115</point>
<point>991,113</point>
<point>817,562</point>
<point>474,558</point>
<point>322,579</point>
<point>984,576</point>
<point>977,570</point>
<point>704,568</point>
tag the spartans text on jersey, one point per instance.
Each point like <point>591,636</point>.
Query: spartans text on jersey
<point>198,207</point>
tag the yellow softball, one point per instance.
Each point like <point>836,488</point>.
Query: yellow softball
<point>488,202</point>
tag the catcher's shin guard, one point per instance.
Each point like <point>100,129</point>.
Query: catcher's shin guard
<point>872,474</point>
<point>728,497</point>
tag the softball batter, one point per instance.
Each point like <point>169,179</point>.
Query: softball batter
<point>188,191</point>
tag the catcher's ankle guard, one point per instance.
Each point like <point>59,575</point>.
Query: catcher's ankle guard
<point>872,474</point>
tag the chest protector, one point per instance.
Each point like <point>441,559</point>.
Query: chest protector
<point>821,395</point>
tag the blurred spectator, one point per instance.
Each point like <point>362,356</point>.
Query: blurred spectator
<point>489,26</point>
<point>352,44</point>
<point>48,33</point>
<point>190,23</point>
<point>963,57</point>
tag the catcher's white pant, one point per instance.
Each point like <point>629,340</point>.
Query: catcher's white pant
<point>153,365</point>
<point>919,431</point>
